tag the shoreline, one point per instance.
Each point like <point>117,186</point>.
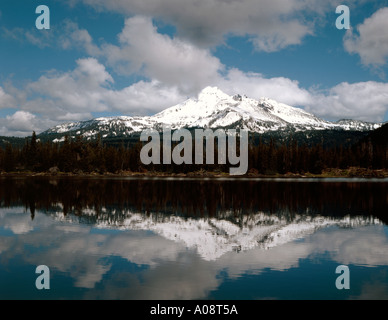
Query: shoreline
<point>328,173</point>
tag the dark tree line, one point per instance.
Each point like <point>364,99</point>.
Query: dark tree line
<point>292,157</point>
<point>72,155</point>
<point>80,155</point>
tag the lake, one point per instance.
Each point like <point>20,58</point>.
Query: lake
<point>205,239</point>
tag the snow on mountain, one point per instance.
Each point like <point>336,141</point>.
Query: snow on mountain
<point>212,238</point>
<point>357,125</point>
<point>214,109</point>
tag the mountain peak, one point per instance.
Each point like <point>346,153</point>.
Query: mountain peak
<point>211,90</point>
<point>212,93</point>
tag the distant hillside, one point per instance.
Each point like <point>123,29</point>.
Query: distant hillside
<point>14,141</point>
<point>378,137</point>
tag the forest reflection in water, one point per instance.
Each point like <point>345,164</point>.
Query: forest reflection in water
<point>200,198</point>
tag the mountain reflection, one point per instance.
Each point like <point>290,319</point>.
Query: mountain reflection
<point>198,198</point>
<point>180,237</point>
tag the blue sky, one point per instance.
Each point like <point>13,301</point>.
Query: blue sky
<point>133,57</point>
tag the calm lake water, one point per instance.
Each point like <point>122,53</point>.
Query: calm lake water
<point>193,239</point>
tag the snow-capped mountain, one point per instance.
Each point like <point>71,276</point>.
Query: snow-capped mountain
<point>213,109</point>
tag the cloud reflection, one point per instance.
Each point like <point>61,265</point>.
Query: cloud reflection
<point>169,267</point>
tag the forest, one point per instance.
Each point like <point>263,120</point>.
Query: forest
<point>268,158</point>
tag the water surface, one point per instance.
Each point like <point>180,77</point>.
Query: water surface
<point>193,238</point>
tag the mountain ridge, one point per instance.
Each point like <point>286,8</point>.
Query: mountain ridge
<point>212,109</point>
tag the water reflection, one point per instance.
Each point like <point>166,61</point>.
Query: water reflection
<point>157,239</point>
<point>199,198</point>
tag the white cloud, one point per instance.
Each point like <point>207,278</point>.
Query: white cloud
<point>281,36</point>
<point>255,85</point>
<point>87,89</point>
<point>366,101</point>
<point>22,123</point>
<point>371,43</point>
<point>144,98</point>
<point>171,61</point>
<point>76,94</point>
<point>6,100</point>
<point>273,24</point>
<point>77,91</point>
<point>74,37</point>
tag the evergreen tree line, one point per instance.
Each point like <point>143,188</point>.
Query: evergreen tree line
<point>79,155</point>
<point>292,157</point>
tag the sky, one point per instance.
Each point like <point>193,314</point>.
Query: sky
<point>135,57</point>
